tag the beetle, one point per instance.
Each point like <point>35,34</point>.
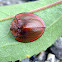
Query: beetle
<point>27,27</point>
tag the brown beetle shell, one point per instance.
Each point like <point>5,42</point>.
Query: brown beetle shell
<point>27,27</point>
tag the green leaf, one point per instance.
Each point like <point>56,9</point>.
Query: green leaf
<point>10,49</point>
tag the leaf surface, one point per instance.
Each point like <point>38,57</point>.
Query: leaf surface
<point>10,49</point>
